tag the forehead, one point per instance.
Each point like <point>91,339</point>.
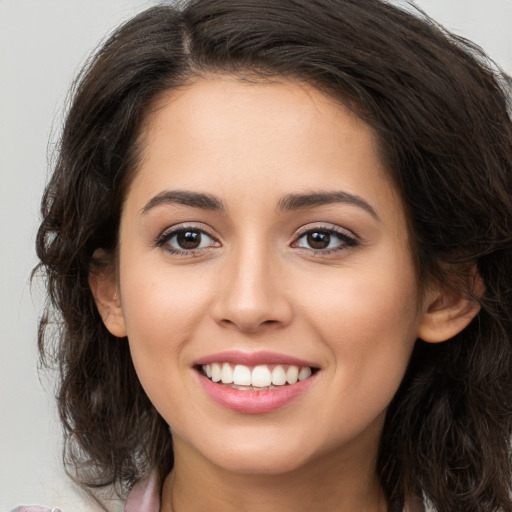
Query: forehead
<point>257,139</point>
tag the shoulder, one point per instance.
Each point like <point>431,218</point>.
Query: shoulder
<point>145,495</point>
<point>34,508</point>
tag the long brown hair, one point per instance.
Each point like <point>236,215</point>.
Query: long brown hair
<point>441,111</point>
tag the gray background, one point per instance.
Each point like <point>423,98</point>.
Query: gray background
<point>42,44</point>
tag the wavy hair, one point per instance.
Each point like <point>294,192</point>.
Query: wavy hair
<point>441,111</point>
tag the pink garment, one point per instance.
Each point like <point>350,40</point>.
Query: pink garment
<point>144,497</point>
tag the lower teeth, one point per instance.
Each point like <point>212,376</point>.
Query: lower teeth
<point>248,388</point>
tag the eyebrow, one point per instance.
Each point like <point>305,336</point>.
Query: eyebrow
<point>289,202</point>
<point>186,198</point>
<point>312,199</point>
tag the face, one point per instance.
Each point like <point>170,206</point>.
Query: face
<point>262,246</point>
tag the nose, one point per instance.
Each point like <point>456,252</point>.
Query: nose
<point>251,294</point>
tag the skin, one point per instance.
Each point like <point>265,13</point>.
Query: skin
<point>255,284</point>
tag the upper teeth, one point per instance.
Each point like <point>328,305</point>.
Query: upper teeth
<point>260,376</point>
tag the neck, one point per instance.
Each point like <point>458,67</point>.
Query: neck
<point>328,484</point>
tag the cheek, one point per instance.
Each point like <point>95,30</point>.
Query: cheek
<point>162,311</point>
<point>360,301</point>
<point>368,320</point>
<point>162,305</point>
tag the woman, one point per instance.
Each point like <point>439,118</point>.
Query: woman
<point>278,238</point>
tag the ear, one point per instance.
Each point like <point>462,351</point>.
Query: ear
<point>446,312</point>
<point>103,283</point>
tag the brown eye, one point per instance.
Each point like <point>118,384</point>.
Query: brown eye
<point>318,240</point>
<point>325,240</point>
<point>188,239</point>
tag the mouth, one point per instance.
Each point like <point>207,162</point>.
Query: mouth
<point>261,377</point>
<point>255,383</point>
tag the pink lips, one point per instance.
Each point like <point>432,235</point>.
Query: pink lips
<point>253,401</point>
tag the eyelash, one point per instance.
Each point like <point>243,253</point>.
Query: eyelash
<point>346,240</point>
<point>167,236</point>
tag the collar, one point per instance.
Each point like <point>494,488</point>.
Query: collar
<point>145,495</point>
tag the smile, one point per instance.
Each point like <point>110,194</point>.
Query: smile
<point>255,383</point>
<point>254,378</point>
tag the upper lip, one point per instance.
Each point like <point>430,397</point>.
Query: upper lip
<point>253,359</point>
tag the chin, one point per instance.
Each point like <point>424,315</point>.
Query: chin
<point>258,458</point>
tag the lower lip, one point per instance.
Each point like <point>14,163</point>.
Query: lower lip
<point>254,402</point>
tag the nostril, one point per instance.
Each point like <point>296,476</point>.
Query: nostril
<point>247,324</point>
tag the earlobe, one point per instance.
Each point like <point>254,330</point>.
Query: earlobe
<point>446,312</point>
<point>103,283</point>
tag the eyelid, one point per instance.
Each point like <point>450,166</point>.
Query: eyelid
<point>171,231</point>
<point>350,239</point>
<point>326,226</point>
